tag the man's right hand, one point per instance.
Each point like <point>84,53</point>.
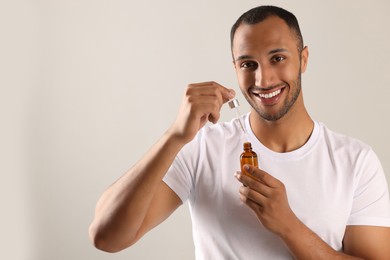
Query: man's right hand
<point>202,102</point>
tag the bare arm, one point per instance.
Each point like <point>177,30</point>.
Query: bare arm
<point>368,242</point>
<point>122,208</point>
<point>360,242</point>
<point>266,196</point>
<point>140,200</point>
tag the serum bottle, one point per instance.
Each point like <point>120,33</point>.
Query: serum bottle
<point>248,157</point>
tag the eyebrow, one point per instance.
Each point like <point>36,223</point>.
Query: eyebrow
<point>243,57</point>
<point>278,50</point>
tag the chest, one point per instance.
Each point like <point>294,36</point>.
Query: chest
<point>319,193</point>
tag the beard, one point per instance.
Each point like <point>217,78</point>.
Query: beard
<point>295,89</point>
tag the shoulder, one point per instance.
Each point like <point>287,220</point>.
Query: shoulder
<point>350,152</point>
<point>343,143</point>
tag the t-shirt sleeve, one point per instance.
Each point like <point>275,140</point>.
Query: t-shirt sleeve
<point>179,179</point>
<point>180,176</point>
<point>371,202</point>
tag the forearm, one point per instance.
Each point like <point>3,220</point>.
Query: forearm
<point>122,208</point>
<point>305,244</point>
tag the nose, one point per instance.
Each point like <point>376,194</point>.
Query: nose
<point>265,76</point>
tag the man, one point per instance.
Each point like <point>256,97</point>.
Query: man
<point>317,194</point>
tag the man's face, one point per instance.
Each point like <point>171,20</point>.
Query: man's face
<point>268,66</point>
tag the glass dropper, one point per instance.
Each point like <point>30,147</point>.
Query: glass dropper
<point>234,104</point>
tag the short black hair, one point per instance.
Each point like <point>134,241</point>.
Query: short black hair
<point>260,13</point>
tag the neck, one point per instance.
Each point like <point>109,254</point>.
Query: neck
<point>289,133</point>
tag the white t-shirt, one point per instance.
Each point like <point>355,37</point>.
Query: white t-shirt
<point>332,181</point>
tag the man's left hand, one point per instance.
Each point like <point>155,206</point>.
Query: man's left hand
<point>267,197</point>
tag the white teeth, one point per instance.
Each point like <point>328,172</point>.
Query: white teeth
<point>270,95</point>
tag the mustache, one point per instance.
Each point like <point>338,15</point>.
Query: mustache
<point>258,88</point>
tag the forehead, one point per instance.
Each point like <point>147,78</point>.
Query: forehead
<point>272,33</point>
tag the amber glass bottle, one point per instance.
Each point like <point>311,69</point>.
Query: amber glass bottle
<point>248,157</point>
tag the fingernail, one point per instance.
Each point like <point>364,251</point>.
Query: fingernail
<point>246,167</point>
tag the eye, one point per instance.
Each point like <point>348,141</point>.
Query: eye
<point>277,59</point>
<point>248,65</point>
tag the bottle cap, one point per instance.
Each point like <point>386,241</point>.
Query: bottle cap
<point>233,103</point>
<point>247,145</point>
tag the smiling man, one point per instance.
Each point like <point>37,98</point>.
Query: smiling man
<point>317,194</point>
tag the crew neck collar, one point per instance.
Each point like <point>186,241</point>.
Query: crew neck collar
<point>262,150</point>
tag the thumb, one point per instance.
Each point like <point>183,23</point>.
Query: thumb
<point>228,94</point>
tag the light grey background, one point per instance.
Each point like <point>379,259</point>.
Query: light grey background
<point>87,86</point>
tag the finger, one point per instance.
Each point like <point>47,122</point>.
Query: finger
<point>205,107</point>
<point>212,97</point>
<point>256,207</point>
<point>254,184</point>
<point>205,93</point>
<point>253,199</point>
<point>227,94</point>
<point>206,99</point>
<point>262,176</point>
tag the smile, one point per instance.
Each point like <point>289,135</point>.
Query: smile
<point>270,95</point>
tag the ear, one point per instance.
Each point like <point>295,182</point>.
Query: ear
<point>304,58</point>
